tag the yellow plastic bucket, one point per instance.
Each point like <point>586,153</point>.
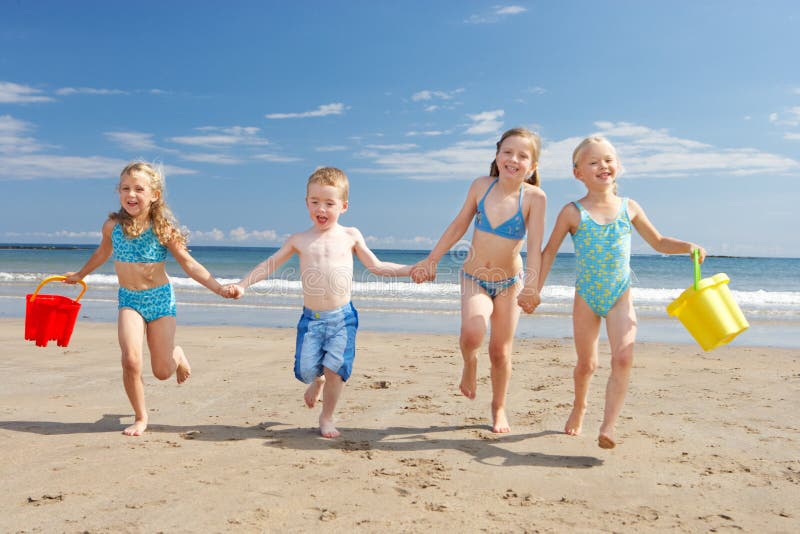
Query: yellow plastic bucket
<point>708,311</point>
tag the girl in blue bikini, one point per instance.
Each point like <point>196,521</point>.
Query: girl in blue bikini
<point>505,206</point>
<point>600,225</point>
<point>139,236</point>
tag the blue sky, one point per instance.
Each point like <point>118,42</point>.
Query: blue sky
<point>241,101</point>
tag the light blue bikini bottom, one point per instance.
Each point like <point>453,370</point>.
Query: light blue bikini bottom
<point>493,288</point>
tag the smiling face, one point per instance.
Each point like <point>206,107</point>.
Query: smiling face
<point>515,158</point>
<point>596,165</point>
<point>325,204</point>
<point>136,194</point>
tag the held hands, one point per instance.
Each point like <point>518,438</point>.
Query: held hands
<point>528,299</point>
<point>231,291</point>
<point>424,271</point>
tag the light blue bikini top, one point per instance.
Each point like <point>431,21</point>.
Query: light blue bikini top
<point>144,248</point>
<point>513,228</point>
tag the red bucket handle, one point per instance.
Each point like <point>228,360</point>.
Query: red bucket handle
<point>52,279</point>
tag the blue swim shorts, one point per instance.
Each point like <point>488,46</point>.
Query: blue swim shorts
<point>151,304</point>
<point>326,339</point>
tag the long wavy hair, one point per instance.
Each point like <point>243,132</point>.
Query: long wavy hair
<point>536,148</point>
<point>162,220</point>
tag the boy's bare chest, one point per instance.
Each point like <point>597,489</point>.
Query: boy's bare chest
<point>330,251</point>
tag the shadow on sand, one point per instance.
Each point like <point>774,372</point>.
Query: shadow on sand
<point>484,447</point>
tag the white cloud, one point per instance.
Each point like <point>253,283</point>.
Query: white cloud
<point>336,108</point>
<point>486,122</point>
<point>510,10</point>
<point>219,159</point>
<point>645,153</point>
<point>464,160</point>
<point>792,136</point>
<point>496,15</point>
<point>241,234</point>
<point>790,117</point>
<point>14,93</point>
<point>14,138</point>
<point>427,133</point>
<point>331,148</point>
<point>133,140</point>
<point>654,153</point>
<point>400,146</point>
<point>66,91</point>
<point>215,234</point>
<point>277,158</point>
<point>22,157</point>
<point>34,166</point>
<point>426,95</point>
<point>215,136</point>
<point>61,234</point>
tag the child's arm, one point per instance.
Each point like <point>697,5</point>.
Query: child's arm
<point>268,266</point>
<point>660,243</point>
<point>98,257</point>
<point>567,222</point>
<point>194,268</point>
<point>426,269</point>
<point>371,261</point>
<point>528,299</point>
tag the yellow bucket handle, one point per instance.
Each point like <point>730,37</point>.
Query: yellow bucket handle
<point>53,278</point>
<point>696,261</point>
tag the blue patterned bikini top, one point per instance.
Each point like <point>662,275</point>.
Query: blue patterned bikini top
<point>144,248</point>
<point>513,228</point>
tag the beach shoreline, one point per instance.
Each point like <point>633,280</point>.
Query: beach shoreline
<point>706,440</point>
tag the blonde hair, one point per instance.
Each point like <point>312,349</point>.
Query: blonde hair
<point>593,140</point>
<point>536,148</point>
<point>330,176</point>
<point>163,222</point>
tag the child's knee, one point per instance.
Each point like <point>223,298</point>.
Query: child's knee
<point>499,353</point>
<point>622,358</point>
<point>586,368</point>
<point>471,338</point>
<point>131,362</point>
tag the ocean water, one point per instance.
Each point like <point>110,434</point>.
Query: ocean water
<point>766,289</point>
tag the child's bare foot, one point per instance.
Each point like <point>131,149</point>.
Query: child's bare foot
<point>327,429</point>
<point>136,429</point>
<point>469,378</point>
<point>575,421</point>
<point>500,421</point>
<point>606,438</point>
<point>184,370</point>
<point>311,396</point>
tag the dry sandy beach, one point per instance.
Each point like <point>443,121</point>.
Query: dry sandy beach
<point>709,441</point>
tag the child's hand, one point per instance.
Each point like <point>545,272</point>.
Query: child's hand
<point>423,271</point>
<point>71,278</point>
<point>528,299</point>
<point>232,291</point>
<point>699,249</point>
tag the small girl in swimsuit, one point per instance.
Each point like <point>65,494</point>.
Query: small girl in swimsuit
<point>505,206</point>
<point>600,225</point>
<point>138,236</point>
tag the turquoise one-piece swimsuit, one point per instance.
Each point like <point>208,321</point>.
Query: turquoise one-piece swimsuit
<point>602,257</point>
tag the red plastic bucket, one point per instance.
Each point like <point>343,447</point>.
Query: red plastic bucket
<point>51,317</point>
